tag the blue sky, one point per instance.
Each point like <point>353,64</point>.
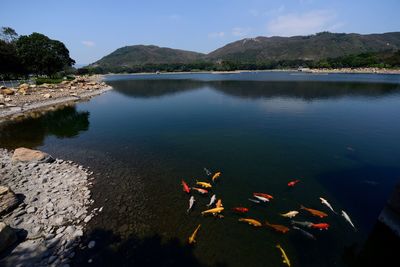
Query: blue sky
<point>92,29</point>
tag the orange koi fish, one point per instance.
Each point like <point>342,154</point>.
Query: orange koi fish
<point>215,176</point>
<point>251,221</point>
<point>192,238</point>
<point>314,212</point>
<point>277,227</point>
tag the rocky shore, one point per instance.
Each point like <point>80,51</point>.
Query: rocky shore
<point>357,70</point>
<point>26,98</point>
<point>44,206</point>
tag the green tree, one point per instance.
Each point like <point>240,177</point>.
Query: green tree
<point>8,34</point>
<point>42,55</point>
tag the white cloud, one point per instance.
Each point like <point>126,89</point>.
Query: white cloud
<point>240,31</point>
<point>216,35</point>
<point>88,43</point>
<point>304,23</point>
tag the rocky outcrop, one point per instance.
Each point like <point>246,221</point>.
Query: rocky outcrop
<point>8,200</point>
<point>29,155</point>
<point>7,237</point>
<point>54,211</point>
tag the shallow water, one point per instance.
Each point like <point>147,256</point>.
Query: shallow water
<point>337,133</point>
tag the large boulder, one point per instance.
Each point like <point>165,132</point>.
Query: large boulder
<point>8,200</point>
<point>7,91</point>
<point>7,237</point>
<point>23,154</point>
<point>24,85</point>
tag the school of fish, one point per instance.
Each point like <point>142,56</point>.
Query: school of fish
<point>260,198</point>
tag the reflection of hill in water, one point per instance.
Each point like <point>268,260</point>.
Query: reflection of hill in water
<point>65,122</point>
<point>154,88</point>
<point>303,90</point>
<point>309,90</point>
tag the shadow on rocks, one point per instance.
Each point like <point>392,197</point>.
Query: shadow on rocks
<point>20,236</point>
<point>111,250</point>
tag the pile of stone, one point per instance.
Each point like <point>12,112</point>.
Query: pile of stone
<point>44,207</point>
<point>28,93</point>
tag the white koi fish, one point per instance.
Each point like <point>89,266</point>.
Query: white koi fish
<point>326,203</point>
<point>254,200</point>
<point>290,214</point>
<point>263,199</point>
<point>212,200</point>
<point>347,218</point>
<point>191,202</point>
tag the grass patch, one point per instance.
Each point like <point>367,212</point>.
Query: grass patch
<point>42,80</point>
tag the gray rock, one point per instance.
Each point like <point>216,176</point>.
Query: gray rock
<point>60,230</point>
<point>78,233</point>
<point>70,229</point>
<point>31,210</point>
<point>8,200</point>
<point>91,244</point>
<point>36,230</point>
<point>87,218</point>
<point>51,259</point>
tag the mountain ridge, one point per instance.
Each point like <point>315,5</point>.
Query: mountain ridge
<point>258,50</point>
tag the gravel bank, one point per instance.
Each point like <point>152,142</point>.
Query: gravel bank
<point>19,102</point>
<point>54,209</point>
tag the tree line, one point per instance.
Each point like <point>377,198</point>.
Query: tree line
<point>385,59</point>
<point>34,54</point>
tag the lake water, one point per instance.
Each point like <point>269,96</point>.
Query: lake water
<point>337,133</point>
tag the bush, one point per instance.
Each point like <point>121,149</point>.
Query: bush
<point>41,80</point>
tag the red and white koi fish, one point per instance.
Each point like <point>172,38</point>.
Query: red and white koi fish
<point>263,195</point>
<point>263,199</point>
<point>320,226</point>
<point>200,190</point>
<point>186,188</point>
<point>293,183</point>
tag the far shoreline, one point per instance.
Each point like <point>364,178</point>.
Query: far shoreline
<point>305,70</point>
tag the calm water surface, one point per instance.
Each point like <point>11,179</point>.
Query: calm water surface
<point>338,134</point>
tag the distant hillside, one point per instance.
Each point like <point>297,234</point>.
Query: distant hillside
<point>134,55</point>
<point>318,50</point>
<point>312,47</point>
